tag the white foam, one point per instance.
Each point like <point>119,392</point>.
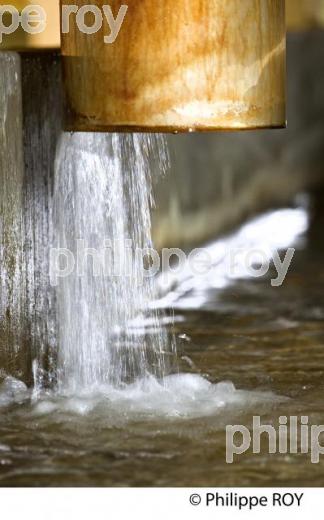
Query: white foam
<point>11,391</point>
<point>179,396</point>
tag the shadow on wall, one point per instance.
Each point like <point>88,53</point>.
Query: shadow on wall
<point>218,180</point>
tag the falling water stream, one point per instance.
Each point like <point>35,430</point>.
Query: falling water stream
<point>102,214</point>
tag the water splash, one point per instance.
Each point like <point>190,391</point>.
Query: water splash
<point>103,193</point>
<point>177,397</point>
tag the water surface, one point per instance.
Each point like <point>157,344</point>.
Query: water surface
<point>243,348</point>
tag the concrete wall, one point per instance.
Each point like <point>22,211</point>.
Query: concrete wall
<point>12,268</point>
<point>30,124</point>
<point>42,125</point>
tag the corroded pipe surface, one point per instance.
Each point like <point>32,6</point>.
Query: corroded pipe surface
<point>178,65</point>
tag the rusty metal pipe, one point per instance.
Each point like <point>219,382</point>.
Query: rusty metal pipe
<point>178,65</point>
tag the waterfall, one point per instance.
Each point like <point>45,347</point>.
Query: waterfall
<point>102,216</point>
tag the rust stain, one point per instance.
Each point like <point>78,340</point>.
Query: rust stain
<point>175,53</point>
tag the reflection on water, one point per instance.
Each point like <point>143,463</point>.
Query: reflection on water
<point>266,341</point>
<point>267,234</point>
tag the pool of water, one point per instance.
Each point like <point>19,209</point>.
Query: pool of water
<point>246,349</point>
